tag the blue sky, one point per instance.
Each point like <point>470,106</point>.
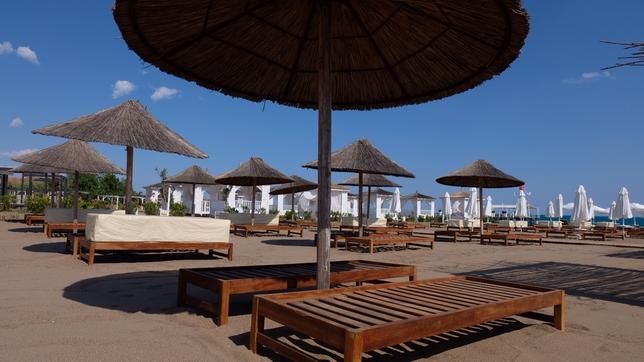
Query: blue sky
<point>552,119</point>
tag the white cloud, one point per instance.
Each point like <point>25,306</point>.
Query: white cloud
<point>16,122</point>
<point>121,88</point>
<point>6,48</point>
<point>163,93</point>
<point>27,54</point>
<point>17,153</point>
<point>589,77</point>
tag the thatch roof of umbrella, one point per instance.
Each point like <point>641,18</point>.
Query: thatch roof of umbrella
<point>192,175</point>
<point>417,195</point>
<point>480,174</point>
<point>362,156</point>
<point>128,124</point>
<point>72,155</point>
<point>373,180</point>
<point>407,52</point>
<point>380,192</point>
<point>299,184</point>
<point>28,168</point>
<point>253,172</point>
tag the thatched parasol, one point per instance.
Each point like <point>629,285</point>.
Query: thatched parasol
<point>364,158</point>
<point>327,55</point>
<point>253,172</point>
<point>369,180</point>
<point>299,184</point>
<point>419,196</point>
<point>128,124</point>
<point>31,169</point>
<point>481,174</point>
<point>73,155</point>
<point>193,175</point>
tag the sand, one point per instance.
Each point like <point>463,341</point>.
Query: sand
<point>54,307</point>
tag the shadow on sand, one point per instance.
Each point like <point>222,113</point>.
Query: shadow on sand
<point>28,229</point>
<point>410,351</point>
<point>639,254</point>
<point>611,284</point>
<point>153,292</point>
<point>53,247</point>
<point>288,242</point>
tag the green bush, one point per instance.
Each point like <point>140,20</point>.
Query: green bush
<point>6,201</point>
<point>307,215</point>
<point>96,204</point>
<point>230,210</point>
<point>411,218</point>
<point>336,215</point>
<point>274,212</point>
<point>151,208</point>
<point>37,204</point>
<point>421,218</point>
<point>177,209</point>
<point>389,217</point>
<point>289,215</point>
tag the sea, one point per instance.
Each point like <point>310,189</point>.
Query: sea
<point>633,221</point>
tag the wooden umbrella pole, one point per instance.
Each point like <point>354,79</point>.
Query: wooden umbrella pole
<point>368,203</point>
<point>46,183</point>
<point>193,199</point>
<point>481,213</point>
<point>53,189</point>
<point>76,177</point>
<point>128,180</point>
<point>360,204</point>
<point>324,145</point>
<point>252,205</point>
<point>293,206</point>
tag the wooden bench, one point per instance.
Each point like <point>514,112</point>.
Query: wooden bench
<point>389,230</point>
<point>386,239</point>
<point>91,247</point>
<point>453,234</point>
<point>362,319</point>
<point>602,235</point>
<point>563,233</point>
<point>336,237</point>
<point>262,278</point>
<point>437,224</point>
<point>246,230</point>
<point>63,228</point>
<point>516,237</point>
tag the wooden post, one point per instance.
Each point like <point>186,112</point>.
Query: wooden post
<point>76,177</point>
<point>293,206</point>
<point>193,200</point>
<point>53,189</point>
<point>30,188</point>
<point>128,180</point>
<point>46,183</point>
<point>360,204</point>
<point>481,213</point>
<point>252,205</point>
<point>369,203</point>
<point>324,145</point>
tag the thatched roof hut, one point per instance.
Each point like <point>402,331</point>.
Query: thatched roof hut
<point>192,175</point>
<point>363,157</point>
<point>72,155</point>
<point>417,195</point>
<point>28,168</point>
<point>252,173</point>
<point>299,184</point>
<point>373,180</point>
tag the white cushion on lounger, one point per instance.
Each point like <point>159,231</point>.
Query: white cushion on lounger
<point>138,228</point>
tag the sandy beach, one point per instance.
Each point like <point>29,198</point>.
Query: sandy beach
<point>53,307</point>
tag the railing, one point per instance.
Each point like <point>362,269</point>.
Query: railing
<point>240,204</point>
<point>426,212</point>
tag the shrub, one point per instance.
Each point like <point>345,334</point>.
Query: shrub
<point>36,204</point>
<point>6,201</point>
<point>421,218</point>
<point>389,217</point>
<point>307,215</point>
<point>151,208</point>
<point>274,212</point>
<point>336,215</point>
<point>411,218</point>
<point>290,215</point>
<point>230,210</point>
<point>177,209</point>
<point>96,204</point>
<point>246,209</point>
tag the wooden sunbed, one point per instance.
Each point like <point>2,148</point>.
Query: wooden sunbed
<point>437,224</point>
<point>34,218</point>
<point>52,228</point>
<point>91,247</point>
<point>454,234</point>
<point>563,233</point>
<point>389,230</point>
<point>516,237</point>
<point>602,235</point>
<point>362,319</point>
<point>375,240</point>
<point>262,278</point>
<point>246,230</point>
<point>336,237</point>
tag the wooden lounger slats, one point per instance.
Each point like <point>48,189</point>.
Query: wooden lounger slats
<point>63,228</point>
<point>375,240</point>
<point>246,230</point>
<point>250,279</point>
<point>361,319</point>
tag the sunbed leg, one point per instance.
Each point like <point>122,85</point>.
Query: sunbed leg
<point>371,247</point>
<point>560,313</point>
<point>256,325</point>
<point>75,245</point>
<point>90,255</point>
<point>353,343</point>
<point>230,252</point>
<point>224,300</point>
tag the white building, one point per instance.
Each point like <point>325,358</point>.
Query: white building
<point>418,204</point>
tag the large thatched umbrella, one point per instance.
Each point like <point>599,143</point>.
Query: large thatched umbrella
<point>31,169</point>
<point>369,180</point>
<point>299,184</point>
<point>363,158</point>
<point>193,175</point>
<point>253,172</point>
<point>327,55</point>
<point>481,174</point>
<point>128,124</point>
<point>73,155</point>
